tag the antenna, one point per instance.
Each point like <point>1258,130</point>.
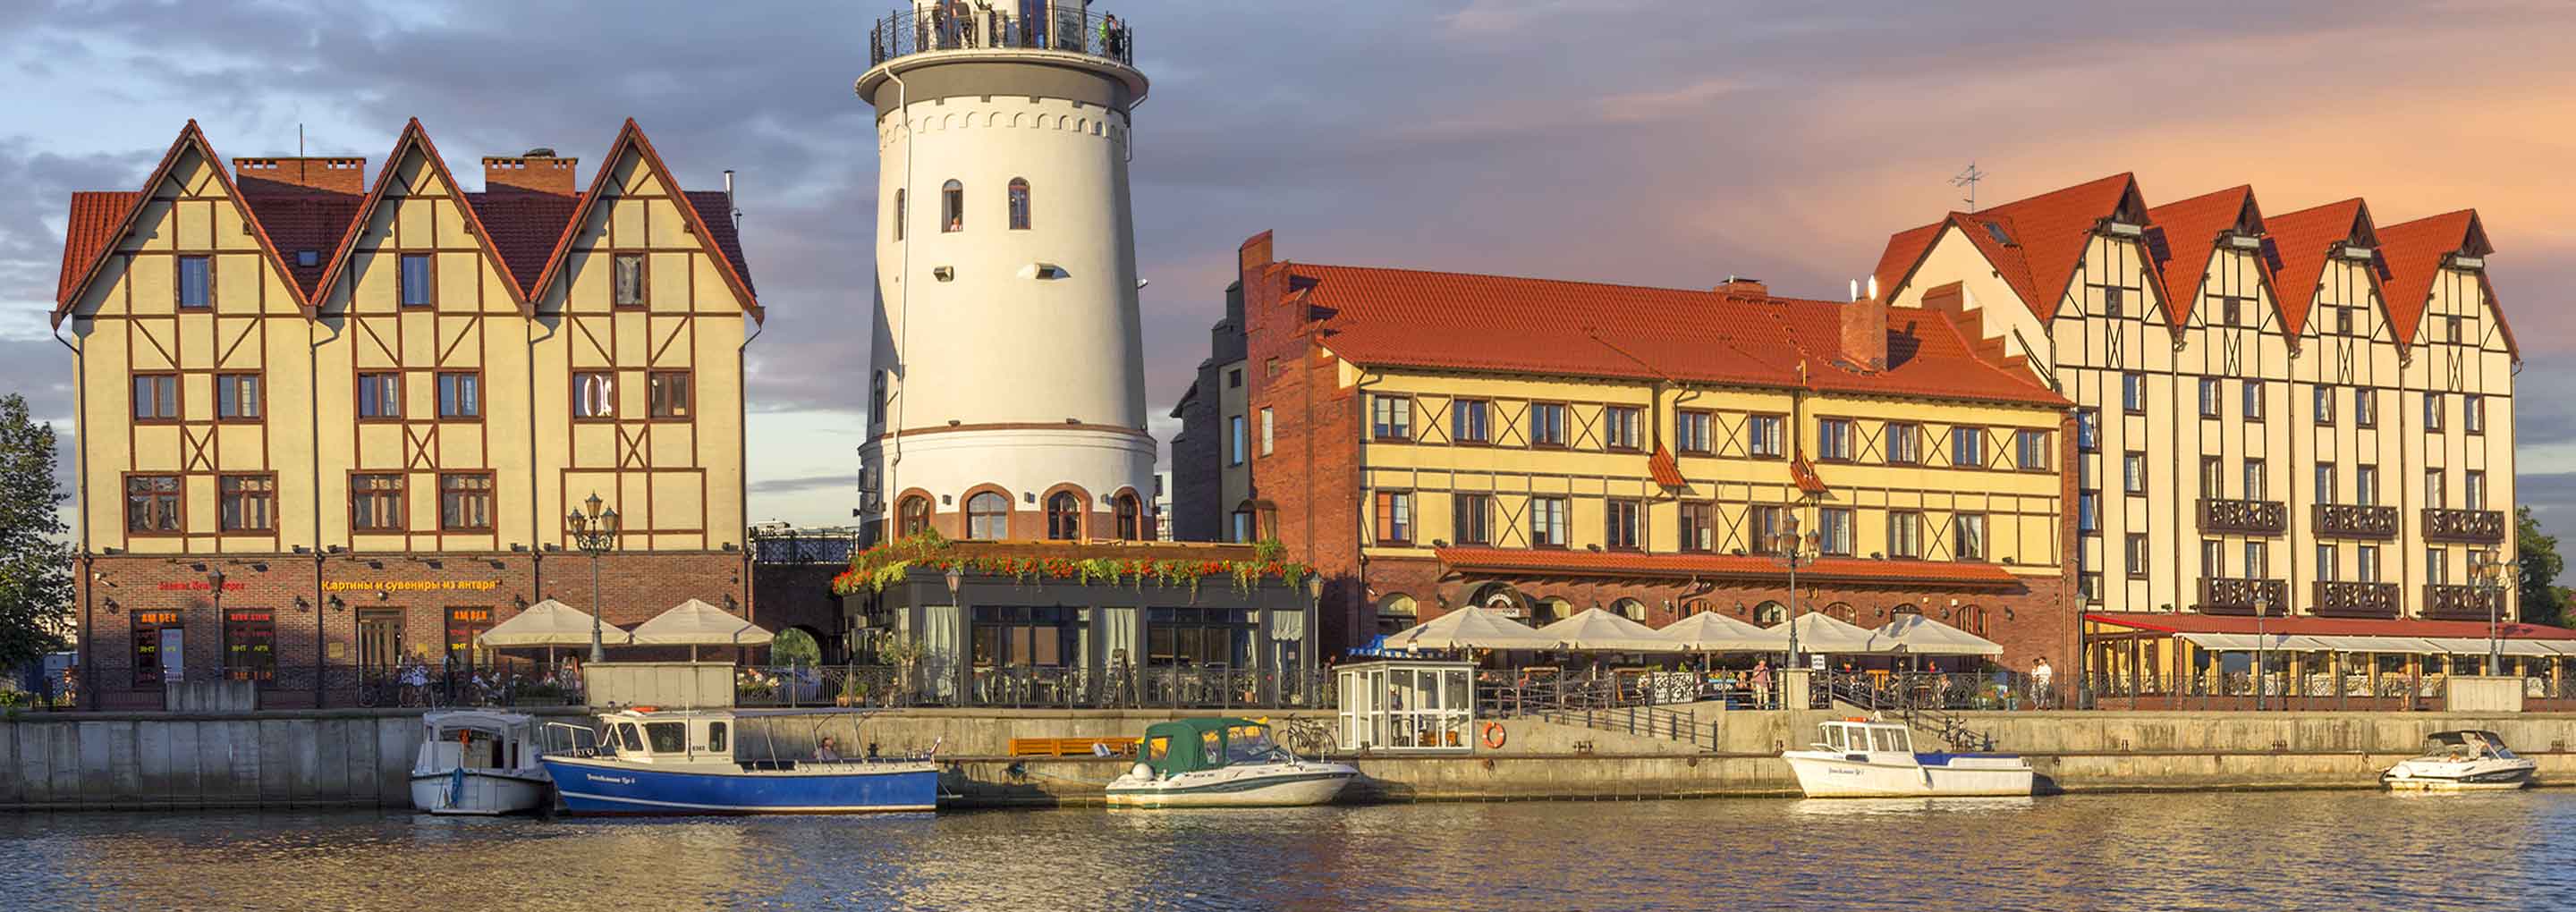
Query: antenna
<point>1968,179</point>
<point>299,140</point>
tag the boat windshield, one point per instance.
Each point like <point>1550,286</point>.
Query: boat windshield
<point>1249,744</point>
<point>667,737</point>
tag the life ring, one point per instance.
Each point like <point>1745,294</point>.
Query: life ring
<point>1494,736</point>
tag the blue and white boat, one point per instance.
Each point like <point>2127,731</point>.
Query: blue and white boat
<point>687,762</point>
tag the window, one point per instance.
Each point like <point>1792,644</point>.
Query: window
<point>1547,522</point>
<point>380,638</point>
<point>380,396</point>
<point>2473,490</point>
<point>2326,563</point>
<point>1063,516</point>
<point>1834,530</point>
<point>2232,311</point>
<point>1762,435</point>
<point>877,400</point>
<point>1764,521</point>
<point>419,286</point>
<point>2325,493</point>
<point>250,644</point>
<point>1619,427</point>
<point>1130,517</point>
<point>988,516</point>
<point>237,397</point>
<point>465,628</point>
<point>2343,319</point>
<point>594,395</point>
<point>2433,493</point>
<point>2366,563</point>
<point>913,517</point>
<point>2030,450</point>
<point>2088,430</point>
<point>376,503</point>
<point>716,739</point>
<point>666,395</point>
<point>2209,397</point>
<point>2433,412</point>
<point>1547,424</point>
<point>1390,417</point>
<point>1265,431</point>
<point>1242,526</point>
<point>1471,519</point>
<point>1968,531</point>
<point>1699,526</point>
<point>1471,421</point>
<point>2111,303</point>
<point>2133,473</point>
<point>899,210</point>
<point>2451,331</point>
<point>2213,557</point>
<point>196,282</point>
<point>2136,546</point>
<point>1904,443</point>
<point>2258,561</point>
<point>1234,378</point>
<point>1394,517</point>
<point>156,397</point>
<point>2213,478</point>
<point>460,395</point>
<point>2133,393</point>
<point>2473,414</point>
<point>627,271</point>
<point>152,503</point>
<point>1968,447</point>
<point>246,503</point>
<point>1690,432</point>
<point>1019,196</point>
<point>2325,405</point>
<point>2253,400</point>
<point>2436,570</point>
<point>2088,512</point>
<point>1834,439</point>
<point>2365,407</point>
<point>1235,440</point>
<point>465,501</point>
<point>2365,485</point>
<point>952,206</point>
<point>1623,530</point>
<point>2254,486</point>
<point>1905,534</point>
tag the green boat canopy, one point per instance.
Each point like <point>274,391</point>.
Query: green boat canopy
<point>1206,743</point>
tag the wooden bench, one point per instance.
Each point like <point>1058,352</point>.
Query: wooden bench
<point>1071,747</point>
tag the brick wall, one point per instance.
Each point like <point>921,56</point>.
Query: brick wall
<point>1311,478</point>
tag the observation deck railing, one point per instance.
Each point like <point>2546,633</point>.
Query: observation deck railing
<point>941,28</point>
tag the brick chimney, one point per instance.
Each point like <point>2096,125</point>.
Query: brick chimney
<point>1864,325</point>
<point>1748,288</point>
<point>330,174</point>
<point>532,173</point>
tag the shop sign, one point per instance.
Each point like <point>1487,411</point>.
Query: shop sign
<point>197,586</point>
<point>482,585</point>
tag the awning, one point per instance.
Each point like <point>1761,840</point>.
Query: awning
<point>1918,635</point>
<point>1471,627</point>
<point>2469,647</point>
<point>1595,630</point>
<point>2407,645</point>
<point>549,623</point>
<point>2291,642</point>
<point>2310,625</point>
<point>1709,631</point>
<point>2246,642</point>
<point>1822,633</point>
<point>695,623</point>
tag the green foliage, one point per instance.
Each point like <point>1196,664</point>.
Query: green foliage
<point>884,565</point>
<point>795,647</point>
<point>2543,602</point>
<point>35,547</point>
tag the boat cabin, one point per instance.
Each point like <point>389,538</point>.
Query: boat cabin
<point>1191,745</point>
<point>2467,744</point>
<point>1860,736</point>
<point>646,736</point>
<point>476,740</point>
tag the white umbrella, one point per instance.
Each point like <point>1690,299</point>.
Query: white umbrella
<point>1595,630</point>
<point>1822,633</point>
<point>693,624</point>
<point>1471,627</point>
<point>1709,631</point>
<point>549,623</point>
<point>1919,635</point>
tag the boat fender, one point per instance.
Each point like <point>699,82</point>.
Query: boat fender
<point>2401,773</point>
<point>1494,736</point>
<point>1141,771</point>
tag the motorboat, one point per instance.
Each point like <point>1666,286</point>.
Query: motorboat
<point>2461,761</point>
<point>644,761</point>
<point>1860,758</point>
<point>477,762</point>
<point>1223,762</point>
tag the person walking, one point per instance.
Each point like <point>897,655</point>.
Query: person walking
<point>2041,677</point>
<point>1762,683</point>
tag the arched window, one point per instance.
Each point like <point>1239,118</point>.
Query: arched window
<point>898,213</point>
<point>913,516</point>
<point>1629,608</point>
<point>1550,610</point>
<point>1131,519</point>
<point>988,516</point>
<point>1019,203</point>
<point>1841,611</point>
<point>1770,613</point>
<point>1972,619</point>
<point>1396,612</point>
<point>952,206</point>
<point>1695,606</point>
<point>1064,516</point>
<point>877,400</point>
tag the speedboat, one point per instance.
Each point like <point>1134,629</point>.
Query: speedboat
<point>1223,762</point>
<point>476,762</point>
<point>643,761</point>
<point>1859,758</point>
<point>2461,761</point>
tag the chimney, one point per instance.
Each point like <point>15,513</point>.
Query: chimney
<point>539,171</point>
<point>1864,326</point>
<point>329,174</point>
<point>1740,287</point>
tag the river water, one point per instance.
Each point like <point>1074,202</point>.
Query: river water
<point>2234,851</point>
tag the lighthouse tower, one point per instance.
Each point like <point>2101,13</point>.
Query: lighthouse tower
<point>1007,392</point>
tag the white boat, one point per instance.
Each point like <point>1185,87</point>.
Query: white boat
<point>1858,758</point>
<point>1223,762</point>
<point>2461,761</point>
<point>476,762</point>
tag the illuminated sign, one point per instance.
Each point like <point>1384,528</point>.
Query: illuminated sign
<point>484,585</point>
<point>156,617</point>
<point>197,586</point>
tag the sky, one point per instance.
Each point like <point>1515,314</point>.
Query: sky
<point>1660,143</point>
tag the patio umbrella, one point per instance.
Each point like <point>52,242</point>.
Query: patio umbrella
<point>1822,633</point>
<point>1471,627</point>
<point>1919,635</point>
<point>549,624</point>
<point>1595,630</point>
<point>693,624</point>
<point>1709,631</point>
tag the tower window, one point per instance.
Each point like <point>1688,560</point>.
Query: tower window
<point>1019,204</point>
<point>898,213</point>
<point>1064,516</point>
<point>1131,526</point>
<point>988,516</point>
<point>914,517</point>
<point>952,206</point>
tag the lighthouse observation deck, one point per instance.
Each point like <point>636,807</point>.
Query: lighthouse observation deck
<point>1034,25</point>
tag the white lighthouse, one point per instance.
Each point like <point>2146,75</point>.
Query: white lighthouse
<point>1007,392</point>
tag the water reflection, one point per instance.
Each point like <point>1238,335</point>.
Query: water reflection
<point>2189,851</point>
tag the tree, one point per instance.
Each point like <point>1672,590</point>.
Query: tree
<point>2542,601</point>
<point>35,547</point>
<point>794,647</point>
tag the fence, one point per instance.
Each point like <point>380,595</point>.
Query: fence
<point>332,687</point>
<point>1026,687</point>
<point>914,32</point>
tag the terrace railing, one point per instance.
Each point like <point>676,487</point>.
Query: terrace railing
<point>908,32</point>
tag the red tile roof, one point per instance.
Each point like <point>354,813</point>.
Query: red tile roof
<point>715,240</point>
<point>2043,239</point>
<point>301,219</point>
<point>2191,230</point>
<point>2304,625</point>
<point>2304,238</point>
<point>96,215</point>
<point>1667,470</point>
<point>1736,566</point>
<point>2413,252</point>
<point>86,233</point>
<point>524,228</point>
<point>1804,473</point>
<point>1456,321</point>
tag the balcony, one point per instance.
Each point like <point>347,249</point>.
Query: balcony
<point>2354,521</point>
<point>1068,31</point>
<point>2355,600</point>
<point>2238,595</point>
<point>2461,603</point>
<point>2477,527</point>
<point>2244,517</point>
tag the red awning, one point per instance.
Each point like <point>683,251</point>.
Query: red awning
<point>1804,473</point>
<point>2322,626</point>
<point>1551,562</point>
<point>1668,472</point>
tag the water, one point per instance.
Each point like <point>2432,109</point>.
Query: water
<point>2345,850</point>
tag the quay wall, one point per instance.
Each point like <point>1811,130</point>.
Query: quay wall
<point>362,758</point>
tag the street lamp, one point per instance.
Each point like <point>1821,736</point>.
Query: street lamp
<point>2487,574</point>
<point>2262,606</point>
<point>594,532</point>
<point>215,584</point>
<point>1790,550</point>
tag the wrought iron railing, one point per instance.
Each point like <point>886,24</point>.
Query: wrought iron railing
<point>2354,520</point>
<point>2239,595</point>
<point>2244,517</point>
<point>2356,600</point>
<point>2456,602</point>
<point>1090,34</point>
<point>2483,527</point>
<point>1031,687</point>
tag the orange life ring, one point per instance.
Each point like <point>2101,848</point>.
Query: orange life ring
<point>1494,736</point>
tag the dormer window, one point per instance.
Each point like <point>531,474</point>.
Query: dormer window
<point>2238,240</point>
<point>2355,252</point>
<point>2117,228</point>
<point>2466,263</point>
<point>307,259</point>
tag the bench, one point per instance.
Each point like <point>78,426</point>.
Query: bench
<point>1071,747</point>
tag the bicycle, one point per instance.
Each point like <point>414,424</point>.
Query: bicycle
<point>1304,736</point>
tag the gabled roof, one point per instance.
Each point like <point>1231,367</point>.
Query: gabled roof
<point>85,231</point>
<point>413,135</point>
<point>724,247</point>
<point>2034,243</point>
<point>91,230</point>
<point>2191,231</point>
<point>2304,238</point>
<point>2414,253</point>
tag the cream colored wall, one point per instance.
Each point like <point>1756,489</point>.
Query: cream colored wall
<point>1954,258</point>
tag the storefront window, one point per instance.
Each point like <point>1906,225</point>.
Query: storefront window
<point>250,644</point>
<point>1199,636</point>
<point>1044,637</point>
<point>153,630</point>
<point>463,626</point>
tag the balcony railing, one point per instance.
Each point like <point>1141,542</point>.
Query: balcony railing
<point>2354,520</point>
<point>936,29</point>
<point>2356,600</point>
<point>2239,595</point>
<point>2460,603</point>
<point>2244,517</point>
<point>2482,527</point>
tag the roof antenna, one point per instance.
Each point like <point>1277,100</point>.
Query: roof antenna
<point>299,140</point>
<point>1969,179</point>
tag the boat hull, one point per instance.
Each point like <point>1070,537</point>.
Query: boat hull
<point>479,792</point>
<point>1829,775</point>
<point>603,785</point>
<point>2486,776</point>
<point>1263,786</point>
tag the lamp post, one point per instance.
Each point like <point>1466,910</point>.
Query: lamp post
<point>2487,574</point>
<point>2262,606</point>
<point>1792,551</point>
<point>594,532</point>
<point>215,584</point>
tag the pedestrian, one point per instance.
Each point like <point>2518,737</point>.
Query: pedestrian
<point>2041,676</point>
<point>1762,683</point>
